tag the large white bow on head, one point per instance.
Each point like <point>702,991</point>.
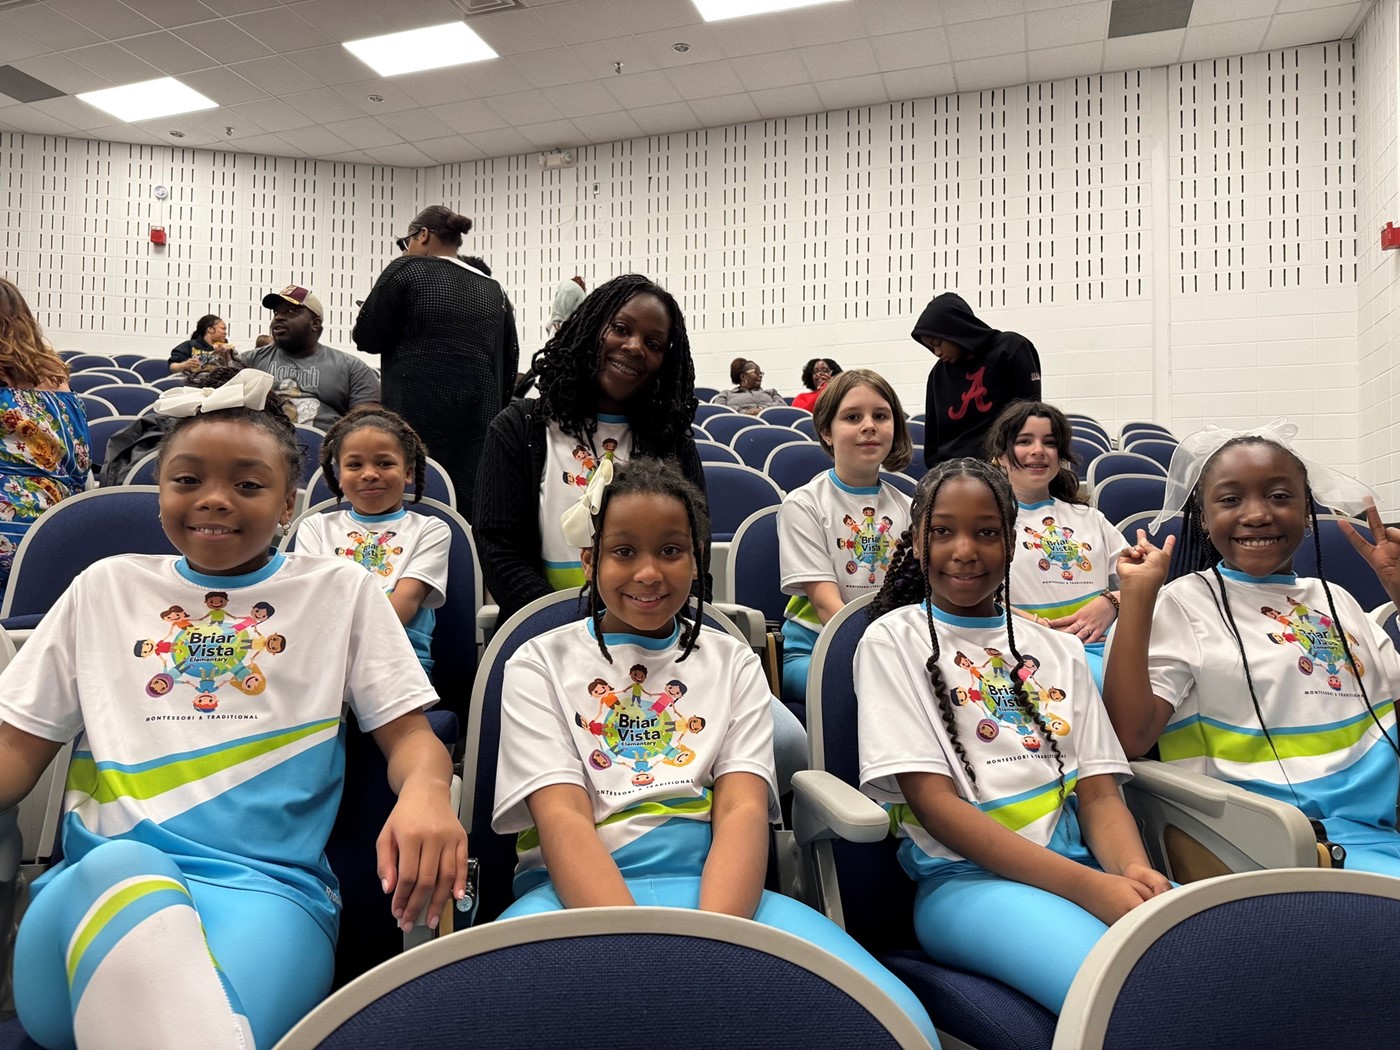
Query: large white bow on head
<point>577,521</point>
<point>248,389</point>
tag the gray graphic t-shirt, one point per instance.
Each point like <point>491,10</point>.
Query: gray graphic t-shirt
<point>323,385</point>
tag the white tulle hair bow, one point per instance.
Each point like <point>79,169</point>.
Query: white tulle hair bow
<point>248,389</point>
<point>577,521</point>
<point>1330,487</point>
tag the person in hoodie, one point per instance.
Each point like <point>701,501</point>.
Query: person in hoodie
<point>979,372</point>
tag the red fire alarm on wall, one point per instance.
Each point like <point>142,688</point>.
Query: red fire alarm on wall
<point>1390,238</point>
<point>158,235</point>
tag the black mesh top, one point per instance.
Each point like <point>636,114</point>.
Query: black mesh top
<point>449,347</point>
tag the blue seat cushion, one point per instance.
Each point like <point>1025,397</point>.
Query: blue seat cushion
<point>978,1010</point>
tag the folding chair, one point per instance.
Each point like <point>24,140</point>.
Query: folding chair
<point>792,466</point>
<point>723,428</point>
<point>1110,464</point>
<point>99,430</point>
<point>705,411</point>
<point>152,368</point>
<point>735,493</point>
<point>714,452</point>
<point>96,407</point>
<point>783,415</point>
<point>1154,449</point>
<point>1124,495</point>
<point>756,443</point>
<point>128,399</point>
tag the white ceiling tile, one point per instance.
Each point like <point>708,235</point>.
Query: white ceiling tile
<point>579,100</point>
<point>401,156</point>
<point>332,64</point>
<point>658,14</point>
<point>552,134</point>
<point>468,116</point>
<point>929,82</point>
<point>225,88</point>
<point>1291,6</point>
<point>392,97</point>
<point>242,7</point>
<point>363,132</point>
<point>600,59</point>
<point>658,46</point>
<point>453,150</point>
<point>516,32</point>
<point>48,26</point>
<point>1224,38</point>
<point>751,36</point>
<point>71,111</point>
<point>15,45</point>
<point>353,156</point>
<point>898,16</point>
<point>955,11</point>
<point>415,125</point>
<point>1077,24</point>
<point>322,142</point>
<point>223,119</point>
<point>660,120</point>
<point>437,87</point>
<point>110,20</point>
<point>322,105</point>
<point>727,109</point>
<point>827,24</point>
<point>276,74</point>
<point>1209,12</point>
<point>582,21</point>
<point>838,61</point>
<point>168,53</point>
<point>271,114</point>
<point>551,68</point>
<point>341,20</point>
<point>641,89</point>
<point>171,13</point>
<point>787,101</point>
<point>1060,63</point>
<point>852,92</point>
<point>1143,51</point>
<point>781,69</point>
<point>189,134</point>
<point>222,41</point>
<point>1311,27</point>
<point>524,107</point>
<point>705,80</point>
<point>503,142</point>
<point>997,71</point>
<point>63,73</point>
<point>608,127</point>
<point>115,63</point>
<point>270,145</point>
<point>282,30</point>
<point>987,37</point>
<point>919,47</point>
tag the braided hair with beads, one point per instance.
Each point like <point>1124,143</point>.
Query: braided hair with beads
<point>415,453</point>
<point>650,477</point>
<point>1196,554</point>
<point>906,583</point>
<point>566,370</point>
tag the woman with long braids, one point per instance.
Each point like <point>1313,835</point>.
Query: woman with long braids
<point>975,727</point>
<point>1243,671</point>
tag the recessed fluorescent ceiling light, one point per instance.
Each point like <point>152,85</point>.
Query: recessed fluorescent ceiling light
<point>150,98</point>
<point>715,10</point>
<point>431,47</point>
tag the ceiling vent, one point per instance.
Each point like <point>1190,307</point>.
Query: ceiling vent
<point>476,7</point>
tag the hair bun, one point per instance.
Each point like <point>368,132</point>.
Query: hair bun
<point>459,224</point>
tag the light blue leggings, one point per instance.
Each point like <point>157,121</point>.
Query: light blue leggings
<point>1368,849</point>
<point>775,910</point>
<point>798,643</point>
<point>273,959</point>
<point>1028,938</point>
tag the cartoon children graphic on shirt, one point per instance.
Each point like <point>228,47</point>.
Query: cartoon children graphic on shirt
<point>608,702</point>
<point>610,449</point>
<point>371,551</point>
<point>209,653</point>
<point>587,465</point>
<point>1057,545</point>
<point>1316,635</point>
<point>869,544</point>
<point>636,732</point>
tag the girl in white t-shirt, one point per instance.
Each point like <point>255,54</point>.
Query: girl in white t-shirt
<point>369,457</point>
<point>193,906</point>
<point>1066,577</point>
<point>836,533</point>
<point>975,727</point>
<point>1241,670</point>
<point>636,749</point>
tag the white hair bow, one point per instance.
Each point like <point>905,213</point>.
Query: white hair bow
<point>577,521</point>
<point>248,389</point>
<point>1330,487</point>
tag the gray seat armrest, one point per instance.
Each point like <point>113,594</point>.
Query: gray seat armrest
<point>824,807</point>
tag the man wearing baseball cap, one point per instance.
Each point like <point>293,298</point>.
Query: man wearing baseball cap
<point>322,382</point>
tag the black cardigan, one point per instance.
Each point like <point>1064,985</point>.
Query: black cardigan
<point>507,522</point>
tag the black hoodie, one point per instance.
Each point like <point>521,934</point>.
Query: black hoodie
<point>964,398</point>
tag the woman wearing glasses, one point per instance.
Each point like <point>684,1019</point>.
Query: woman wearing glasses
<point>748,395</point>
<point>446,333</point>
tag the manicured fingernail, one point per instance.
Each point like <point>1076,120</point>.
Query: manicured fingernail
<point>433,922</point>
<point>384,884</point>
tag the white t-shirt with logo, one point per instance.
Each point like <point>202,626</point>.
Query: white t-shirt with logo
<point>1332,761</point>
<point>568,465</point>
<point>1066,556</point>
<point>834,532</point>
<point>646,736</point>
<point>209,711</point>
<point>902,730</point>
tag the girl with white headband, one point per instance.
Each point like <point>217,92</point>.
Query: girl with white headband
<point>1240,669</point>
